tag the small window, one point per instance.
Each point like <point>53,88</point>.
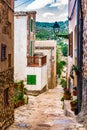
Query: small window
<point>31,79</point>
<point>3,52</point>
<point>6,103</point>
<point>9,60</point>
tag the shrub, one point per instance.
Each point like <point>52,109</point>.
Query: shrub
<point>63,83</point>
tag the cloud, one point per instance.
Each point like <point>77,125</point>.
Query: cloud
<point>38,4</point>
<point>63,16</point>
<point>48,14</point>
<point>49,10</point>
<point>59,3</point>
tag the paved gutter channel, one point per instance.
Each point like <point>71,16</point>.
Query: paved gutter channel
<point>44,112</point>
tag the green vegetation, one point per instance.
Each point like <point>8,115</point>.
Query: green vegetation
<point>44,30</point>
<point>64,48</point>
<point>20,91</point>
<point>63,83</point>
<point>60,67</point>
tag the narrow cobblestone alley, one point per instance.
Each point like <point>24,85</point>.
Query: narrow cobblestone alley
<point>43,112</point>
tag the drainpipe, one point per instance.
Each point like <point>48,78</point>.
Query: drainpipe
<point>79,52</point>
<point>51,69</point>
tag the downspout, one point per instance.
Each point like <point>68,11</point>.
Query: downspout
<point>77,30</point>
<point>79,52</point>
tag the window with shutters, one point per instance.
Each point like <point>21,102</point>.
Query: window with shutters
<point>71,44</point>
<point>6,103</point>
<point>31,79</point>
<point>3,52</point>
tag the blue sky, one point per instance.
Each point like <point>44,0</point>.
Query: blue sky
<point>47,10</point>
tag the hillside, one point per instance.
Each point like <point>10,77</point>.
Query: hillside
<point>44,30</point>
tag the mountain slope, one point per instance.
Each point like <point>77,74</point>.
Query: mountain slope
<point>44,30</point>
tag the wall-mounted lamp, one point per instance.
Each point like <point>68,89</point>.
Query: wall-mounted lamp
<point>56,29</point>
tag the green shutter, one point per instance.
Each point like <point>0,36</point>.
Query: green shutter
<point>30,48</point>
<point>31,79</point>
<point>34,79</point>
<point>31,25</point>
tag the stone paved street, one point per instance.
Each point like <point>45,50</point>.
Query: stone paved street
<point>44,112</point>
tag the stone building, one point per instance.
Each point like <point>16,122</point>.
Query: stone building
<point>82,117</point>
<point>78,53</point>
<point>6,63</point>
<point>48,48</point>
<point>30,68</point>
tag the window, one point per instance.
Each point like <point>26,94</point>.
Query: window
<point>71,44</point>
<point>31,79</point>
<point>3,52</point>
<point>6,97</point>
<point>9,60</point>
<point>31,25</point>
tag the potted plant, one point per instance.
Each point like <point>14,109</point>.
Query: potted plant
<point>73,104</point>
<point>75,91</point>
<point>63,83</point>
<point>67,94</point>
<point>75,68</point>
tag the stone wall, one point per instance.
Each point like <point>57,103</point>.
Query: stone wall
<point>6,111</point>
<point>82,117</point>
<point>6,63</point>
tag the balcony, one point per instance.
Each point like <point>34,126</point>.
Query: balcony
<point>36,61</point>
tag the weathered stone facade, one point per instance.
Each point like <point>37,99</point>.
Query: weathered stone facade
<point>82,117</point>
<point>6,63</point>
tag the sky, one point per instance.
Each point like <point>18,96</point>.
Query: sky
<point>47,10</point>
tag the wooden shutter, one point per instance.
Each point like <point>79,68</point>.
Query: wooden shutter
<point>3,52</point>
<point>31,25</point>
<point>71,44</point>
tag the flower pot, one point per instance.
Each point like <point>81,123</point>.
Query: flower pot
<point>73,106</point>
<point>74,92</point>
<point>67,96</point>
<point>77,72</point>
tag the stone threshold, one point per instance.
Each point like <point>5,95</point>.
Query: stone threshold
<point>67,109</point>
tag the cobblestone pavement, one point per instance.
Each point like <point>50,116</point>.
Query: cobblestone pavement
<point>44,112</point>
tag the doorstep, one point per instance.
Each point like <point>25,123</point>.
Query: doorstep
<point>67,109</point>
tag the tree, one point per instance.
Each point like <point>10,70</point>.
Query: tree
<point>64,49</point>
<point>59,63</point>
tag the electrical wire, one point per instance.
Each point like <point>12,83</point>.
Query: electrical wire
<point>70,17</point>
<point>21,4</point>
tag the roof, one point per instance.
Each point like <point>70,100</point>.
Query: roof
<point>24,13</point>
<point>45,44</point>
